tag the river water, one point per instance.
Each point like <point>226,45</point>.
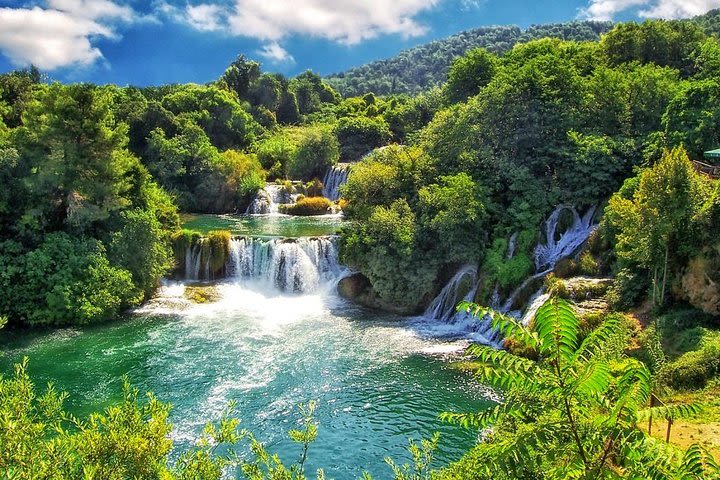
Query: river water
<point>378,379</point>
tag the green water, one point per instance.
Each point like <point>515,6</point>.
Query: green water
<point>273,225</point>
<point>378,379</point>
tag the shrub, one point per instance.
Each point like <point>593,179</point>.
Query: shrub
<point>627,289</point>
<point>693,369</point>
<point>317,150</point>
<point>308,206</point>
<point>566,268</point>
<point>588,265</point>
<point>65,281</point>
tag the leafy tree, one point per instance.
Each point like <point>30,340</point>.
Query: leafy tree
<point>359,135</point>
<point>469,74</point>
<point>573,410</point>
<point>65,281</point>
<point>317,150</point>
<point>652,224</point>
<point>240,75</point>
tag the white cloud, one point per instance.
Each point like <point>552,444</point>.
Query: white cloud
<point>49,38</point>
<point>608,9</point>
<point>275,53</point>
<point>62,33</point>
<point>346,21</point>
<point>93,9</point>
<point>205,17</point>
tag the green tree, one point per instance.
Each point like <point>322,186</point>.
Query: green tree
<point>469,74</point>
<point>359,135</point>
<point>317,150</point>
<point>653,225</point>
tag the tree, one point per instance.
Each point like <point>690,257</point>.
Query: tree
<point>240,75</point>
<point>317,150</point>
<point>359,135</point>
<point>573,410</point>
<point>653,225</point>
<point>469,74</point>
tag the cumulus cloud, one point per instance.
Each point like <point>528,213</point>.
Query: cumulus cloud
<point>271,21</point>
<point>62,33</point>
<point>608,9</point>
<point>346,21</point>
<point>275,53</point>
<point>205,17</point>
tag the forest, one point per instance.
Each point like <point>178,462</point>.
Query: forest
<point>460,160</point>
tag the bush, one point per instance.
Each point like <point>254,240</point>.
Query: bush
<point>588,265</point>
<point>66,281</point>
<point>308,206</point>
<point>693,369</point>
<point>627,289</point>
<point>359,135</point>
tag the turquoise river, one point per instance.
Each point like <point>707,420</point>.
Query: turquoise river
<point>378,379</point>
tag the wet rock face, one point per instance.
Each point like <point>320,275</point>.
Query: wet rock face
<point>357,289</point>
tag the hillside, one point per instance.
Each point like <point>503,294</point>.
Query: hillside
<point>424,66</point>
<point>419,68</point>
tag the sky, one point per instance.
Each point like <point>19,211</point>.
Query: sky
<point>152,42</point>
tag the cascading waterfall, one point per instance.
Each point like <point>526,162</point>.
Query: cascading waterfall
<point>558,245</point>
<point>268,199</point>
<point>290,265</point>
<point>335,177</point>
<point>555,249</point>
<point>443,308</point>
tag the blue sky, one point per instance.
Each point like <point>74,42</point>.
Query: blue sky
<point>162,41</point>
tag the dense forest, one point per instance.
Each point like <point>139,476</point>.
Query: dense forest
<point>605,120</point>
<point>420,68</point>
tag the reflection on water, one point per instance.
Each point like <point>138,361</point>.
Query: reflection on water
<point>273,225</point>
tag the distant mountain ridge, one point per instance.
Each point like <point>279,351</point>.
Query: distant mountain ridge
<point>425,66</point>
<point>422,67</point>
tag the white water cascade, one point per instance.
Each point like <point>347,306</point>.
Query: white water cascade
<point>290,265</point>
<point>443,309</point>
<point>268,199</point>
<point>335,178</point>
<point>566,243</point>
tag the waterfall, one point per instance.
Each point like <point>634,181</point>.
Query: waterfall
<point>268,199</point>
<point>335,177</point>
<point>555,249</point>
<point>536,302</point>
<point>443,309</point>
<point>290,265</point>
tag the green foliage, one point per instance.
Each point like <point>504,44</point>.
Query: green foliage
<point>664,43</point>
<point>67,280</point>
<point>469,74</point>
<point>573,412</point>
<point>697,366</point>
<point>651,228</point>
<point>308,206</point>
<point>420,68</point>
<point>317,150</point>
<point>359,135</point>
<point>140,247</point>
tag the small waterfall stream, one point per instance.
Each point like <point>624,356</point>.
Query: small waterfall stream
<point>558,245</point>
<point>268,199</point>
<point>335,178</point>
<point>463,286</point>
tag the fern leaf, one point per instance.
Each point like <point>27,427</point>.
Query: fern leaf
<point>557,327</point>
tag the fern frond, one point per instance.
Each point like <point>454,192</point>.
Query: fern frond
<point>670,412</point>
<point>480,420</point>
<point>595,340</point>
<point>593,379</point>
<point>557,327</point>
<point>699,463</point>
<point>507,326</point>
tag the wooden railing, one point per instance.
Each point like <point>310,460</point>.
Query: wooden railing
<point>654,402</point>
<point>712,171</point>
